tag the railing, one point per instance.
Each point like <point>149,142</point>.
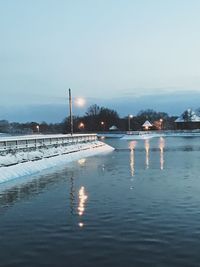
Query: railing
<point>9,144</point>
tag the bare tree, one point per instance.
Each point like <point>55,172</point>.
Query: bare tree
<point>93,110</point>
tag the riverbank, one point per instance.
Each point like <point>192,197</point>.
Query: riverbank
<point>137,135</point>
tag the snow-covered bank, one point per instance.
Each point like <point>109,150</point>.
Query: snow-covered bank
<point>42,159</point>
<point>139,136</point>
<point>110,135</point>
<point>157,134</point>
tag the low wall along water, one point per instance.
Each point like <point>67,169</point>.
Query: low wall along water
<point>29,143</point>
<point>26,155</point>
<point>14,150</point>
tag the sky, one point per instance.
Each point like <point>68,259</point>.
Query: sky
<point>123,54</point>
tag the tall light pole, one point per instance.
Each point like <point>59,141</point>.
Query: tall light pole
<point>161,124</point>
<point>129,121</point>
<point>38,128</point>
<point>103,125</point>
<point>70,112</point>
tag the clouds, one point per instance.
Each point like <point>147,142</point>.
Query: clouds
<point>135,50</point>
<point>172,103</point>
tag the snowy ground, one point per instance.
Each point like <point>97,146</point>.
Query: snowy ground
<point>148,135</point>
<point>26,163</point>
<point>110,135</point>
<point>157,134</point>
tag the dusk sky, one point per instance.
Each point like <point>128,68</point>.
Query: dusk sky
<point>124,54</point>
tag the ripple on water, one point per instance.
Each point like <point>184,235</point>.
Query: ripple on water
<point>154,224</point>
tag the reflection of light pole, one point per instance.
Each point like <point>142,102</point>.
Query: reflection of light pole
<point>70,112</point>
<point>132,145</point>
<point>147,146</point>
<point>162,146</point>
<point>129,121</point>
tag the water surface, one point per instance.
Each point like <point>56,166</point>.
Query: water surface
<point>137,206</point>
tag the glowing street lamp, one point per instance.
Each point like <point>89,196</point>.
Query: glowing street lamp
<point>78,102</point>
<point>81,125</point>
<point>161,121</point>
<point>129,121</point>
<point>38,128</point>
<point>103,125</point>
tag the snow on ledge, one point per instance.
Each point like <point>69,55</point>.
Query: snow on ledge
<point>33,167</point>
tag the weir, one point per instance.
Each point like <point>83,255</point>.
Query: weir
<point>26,155</point>
<point>29,143</point>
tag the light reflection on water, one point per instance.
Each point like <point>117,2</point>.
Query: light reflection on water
<point>42,220</point>
<point>82,202</point>
<point>132,146</point>
<point>147,142</point>
<point>147,146</point>
<point>161,146</point>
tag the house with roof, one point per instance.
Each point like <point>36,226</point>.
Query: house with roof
<point>147,125</point>
<point>189,119</point>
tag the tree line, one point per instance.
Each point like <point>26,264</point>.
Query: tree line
<point>95,119</point>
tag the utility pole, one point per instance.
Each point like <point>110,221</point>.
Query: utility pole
<point>70,112</point>
<point>129,121</point>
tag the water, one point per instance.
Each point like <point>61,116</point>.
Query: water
<point>137,206</point>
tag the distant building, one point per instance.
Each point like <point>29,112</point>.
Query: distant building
<point>147,125</point>
<point>189,119</point>
<point>113,128</point>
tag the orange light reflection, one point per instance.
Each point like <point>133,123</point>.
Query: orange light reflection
<point>132,145</point>
<point>161,146</point>
<point>147,146</point>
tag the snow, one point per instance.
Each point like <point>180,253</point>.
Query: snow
<point>37,161</point>
<point>113,128</point>
<point>110,135</point>
<point>139,136</point>
<point>149,135</point>
<point>41,136</point>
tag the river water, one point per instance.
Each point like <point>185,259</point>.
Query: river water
<point>136,206</point>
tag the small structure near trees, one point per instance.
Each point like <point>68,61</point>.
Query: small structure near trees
<point>147,125</point>
<point>189,119</point>
<point>113,128</point>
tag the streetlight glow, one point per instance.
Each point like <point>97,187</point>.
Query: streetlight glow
<point>161,124</point>
<point>81,125</point>
<point>80,102</point>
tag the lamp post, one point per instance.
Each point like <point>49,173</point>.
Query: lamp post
<point>161,124</point>
<point>103,125</point>
<point>129,121</point>
<point>70,112</point>
<point>38,128</point>
<point>80,102</point>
